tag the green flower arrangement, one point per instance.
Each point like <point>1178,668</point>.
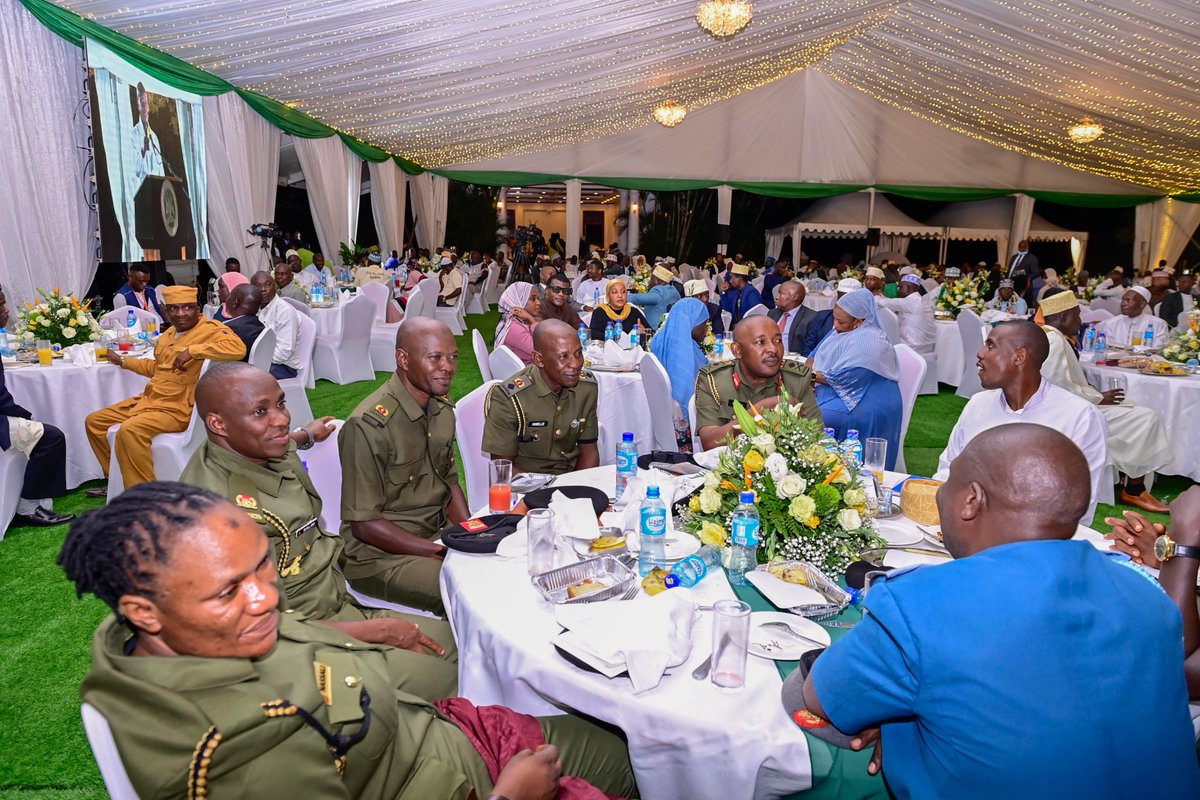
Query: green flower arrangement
<point>1185,345</point>
<point>963,293</point>
<point>58,318</point>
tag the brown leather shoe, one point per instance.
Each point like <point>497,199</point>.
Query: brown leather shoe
<point>1144,501</point>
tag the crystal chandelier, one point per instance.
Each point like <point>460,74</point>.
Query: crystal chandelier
<point>669,114</point>
<point>1084,131</point>
<point>724,18</point>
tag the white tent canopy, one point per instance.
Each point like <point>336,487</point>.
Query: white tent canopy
<point>991,220</point>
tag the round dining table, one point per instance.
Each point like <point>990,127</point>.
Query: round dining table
<point>687,738</point>
<point>948,347</point>
<point>63,395</point>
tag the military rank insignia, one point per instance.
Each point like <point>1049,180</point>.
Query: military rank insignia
<point>519,383</point>
<point>383,412</point>
<point>737,382</point>
<point>246,501</point>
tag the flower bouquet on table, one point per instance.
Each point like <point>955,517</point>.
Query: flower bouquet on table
<point>58,318</point>
<point>641,278</point>
<point>963,293</point>
<point>808,497</point>
<point>1185,345</point>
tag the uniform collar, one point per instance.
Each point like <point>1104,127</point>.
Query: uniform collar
<point>184,673</point>
<point>264,478</point>
<point>539,382</point>
<point>738,380</point>
<point>407,402</point>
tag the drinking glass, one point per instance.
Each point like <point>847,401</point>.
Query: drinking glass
<point>1135,339</point>
<point>1117,383</point>
<point>731,642</point>
<point>540,522</point>
<point>500,485</point>
<point>875,457</point>
<point>45,353</point>
<point>101,348</point>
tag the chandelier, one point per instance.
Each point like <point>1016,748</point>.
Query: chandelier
<point>1084,131</point>
<point>724,18</point>
<point>669,114</point>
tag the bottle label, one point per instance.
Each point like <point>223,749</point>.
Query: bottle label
<point>626,460</point>
<point>745,531</point>
<point>654,523</point>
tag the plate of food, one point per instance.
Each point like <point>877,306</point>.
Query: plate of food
<point>1134,362</point>
<point>1165,369</point>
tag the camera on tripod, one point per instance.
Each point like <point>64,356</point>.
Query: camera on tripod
<point>266,231</point>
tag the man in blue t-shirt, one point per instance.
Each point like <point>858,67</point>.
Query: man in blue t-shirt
<point>1029,667</point>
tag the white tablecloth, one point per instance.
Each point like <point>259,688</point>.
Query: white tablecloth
<point>819,301</point>
<point>1177,400</point>
<point>622,406</point>
<point>63,395</point>
<point>949,352</point>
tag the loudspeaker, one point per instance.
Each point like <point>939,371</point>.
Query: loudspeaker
<point>722,234</point>
<point>873,237</point>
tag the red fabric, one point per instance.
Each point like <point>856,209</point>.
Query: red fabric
<point>499,733</point>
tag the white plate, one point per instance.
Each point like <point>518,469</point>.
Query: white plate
<point>899,558</point>
<point>708,459</point>
<point>678,545</point>
<point>777,645</point>
<point>783,594</point>
<point>899,534</point>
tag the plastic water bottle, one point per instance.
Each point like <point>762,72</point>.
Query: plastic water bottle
<point>1148,337</point>
<point>831,442</point>
<point>1089,339</point>
<point>595,298</point>
<point>1101,348</point>
<point>583,335</point>
<point>719,347</point>
<point>4,341</point>
<point>745,528</point>
<point>609,332</point>
<point>130,320</point>
<point>693,569</point>
<point>627,467</point>
<point>635,339</point>
<point>853,446</point>
<point>653,533</point>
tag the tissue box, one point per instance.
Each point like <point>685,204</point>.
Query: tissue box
<point>918,500</point>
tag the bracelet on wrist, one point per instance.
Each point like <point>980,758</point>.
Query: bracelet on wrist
<point>310,441</point>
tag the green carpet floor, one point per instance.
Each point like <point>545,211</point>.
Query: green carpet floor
<point>45,639</point>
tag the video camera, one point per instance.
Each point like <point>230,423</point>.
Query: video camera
<point>266,231</point>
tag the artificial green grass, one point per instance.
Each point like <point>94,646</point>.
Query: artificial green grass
<point>45,641</point>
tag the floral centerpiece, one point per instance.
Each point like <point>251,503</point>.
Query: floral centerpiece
<point>641,278</point>
<point>808,497</point>
<point>58,318</point>
<point>1185,344</point>
<point>966,292</point>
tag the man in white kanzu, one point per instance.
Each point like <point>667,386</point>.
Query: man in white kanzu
<point>917,328</point>
<point>1130,327</point>
<point>1137,440</point>
<point>1010,365</point>
<point>143,142</point>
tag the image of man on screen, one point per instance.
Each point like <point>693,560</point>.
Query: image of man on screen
<point>144,142</point>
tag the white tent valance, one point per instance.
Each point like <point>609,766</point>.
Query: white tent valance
<point>991,220</point>
<point>852,215</point>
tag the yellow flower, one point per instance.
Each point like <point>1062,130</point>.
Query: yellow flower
<point>754,461</point>
<point>813,521</point>
<point>712,534</point>
<point>694,503</point>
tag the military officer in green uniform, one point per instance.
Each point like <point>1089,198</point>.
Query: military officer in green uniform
<point>544,417</point>
<point>399,480</point>
<point>758,374</point>
<point>251,460</point>
<point>211,690</point>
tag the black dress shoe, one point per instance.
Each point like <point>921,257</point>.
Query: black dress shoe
<point>43,517</point>
<point>101,491</point>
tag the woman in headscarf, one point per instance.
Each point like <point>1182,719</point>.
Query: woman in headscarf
<point>618,310</point>
<point>677,347</point>
<point>857,375</point>
<point>225,285</point>
<point>1051,282</point>
<point>520,308</point>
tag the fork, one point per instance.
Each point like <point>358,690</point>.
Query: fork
<point>783,627</point>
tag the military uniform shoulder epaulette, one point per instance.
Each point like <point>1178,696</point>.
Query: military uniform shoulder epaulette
<point>792,365</point>
<point>712,369</point>
<point>707,378</point>
<point>379,414</point>
<point>516,384</point>
<point>445,398</point>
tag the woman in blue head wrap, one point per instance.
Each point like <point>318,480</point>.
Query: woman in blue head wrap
<point>858,375</point>
<point>676,346</point>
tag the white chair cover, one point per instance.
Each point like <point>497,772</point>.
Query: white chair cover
<point>758,311</point>
<point>504,363</point>
<point>293,388</point>
<point>912,373</point>
<point>757,283</point>
<point>347,358</point>
<point>452,315</point>
<point>491,287</point>
<point>468,416</point>
<point>262,350</point>
<point>325,468</point>
<point>118,301</point>
<point>108,759</point>
<point>12,479</point>
<point>1110,304</point>
<point>696,446</point>
<point>429,292</point>
<point>1088,315</point>
<point>416,304</point>
<point>970,330</point>
<point>378,294</point>
<point>298,305</point>
<point>891,324</point>
<point>481,354</point>
<point>656,383</point>
<point>383,333</point>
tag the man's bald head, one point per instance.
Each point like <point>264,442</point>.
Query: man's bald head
<point>414,329</point>
<point>221,381</point>
<point>1012,483</point>
<point>753,327</point>
<point>245,299</point>
<point>426,357</point>
<point>558,354</point>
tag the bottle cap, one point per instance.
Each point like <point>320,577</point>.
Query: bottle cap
<point>746,497</point>
<point>852,433</point>
<point>651,492</point>
<point>627,437</point>
<point>671,581</point>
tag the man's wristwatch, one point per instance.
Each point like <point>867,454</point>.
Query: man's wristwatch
<point>1166,548</point>
<point>311,441</point>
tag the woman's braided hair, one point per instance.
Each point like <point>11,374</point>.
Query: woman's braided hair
<point>110,551</point>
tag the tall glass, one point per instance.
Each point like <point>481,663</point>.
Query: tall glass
<point>875,457</point>
<point>540,523</point>
<point>500,485</point>
<point>45,353</point>
<point>731,643</point>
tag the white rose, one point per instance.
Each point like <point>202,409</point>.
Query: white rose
<point>765,442</point>
<point>849,519</point>
<point>63,313</point>
<point>710,501</point>
<point>68,333</point>
<point>790,485</point>
<point>777,466</point>
<point>81,321</point>
<point>712,480</point>
<point>27,336</point>
<point>854,497</point>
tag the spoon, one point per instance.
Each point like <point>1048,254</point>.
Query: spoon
<point>783,627</point>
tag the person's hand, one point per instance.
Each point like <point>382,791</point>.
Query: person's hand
<point>113,358</point>
<point>1134,536</point>
<point>866,739</point>
<point>523,315</point>
<point>530,775</point>
<point>1185,517</point>
<point>1112,397</point>
<point>405,635</point>
<point>182,360</point>
<point>319,429</point>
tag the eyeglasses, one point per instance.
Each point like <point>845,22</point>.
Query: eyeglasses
<point>559,289</point>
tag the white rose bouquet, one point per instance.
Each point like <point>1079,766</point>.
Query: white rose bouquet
<point>60,319</point>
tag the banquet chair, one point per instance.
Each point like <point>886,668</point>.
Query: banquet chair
<point>481,354</point>
<point>758,311</point>
<point>452,315</point>
<point>1087,315</point>
<point>1110,304</point>
<point>262,350</point>
<point>346,357</point>
<point>468,417</point>
<point>656,383</point>
<point>116,319</point>
<point>12,479</point>
<point>298,305</point>
<point>428,290</point>
<point>970,330</point>
<point>491,294</point>
<point>294,393</point>
<point>696,446</point>
<point>119,301</point>
<point>108,758</point>
<point>324,466</point>
<point>169,451</point>
<point>891,325</point>
<point>504,363</point>
<point>913,368</point>
<point>415,304</point>
<point>383,334</point>
<point>757,283</point>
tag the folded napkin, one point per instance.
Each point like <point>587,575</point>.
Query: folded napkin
<point>516,545</point>
<point>345,293</point>
<point>616,355</point>
<point>574,518</point>
<point>995,315</point>
<point>670,489</point>
<point>81,355</point>
<point>649,634</point>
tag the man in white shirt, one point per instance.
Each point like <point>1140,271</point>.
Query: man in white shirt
<point>148,158</point>
<point>451,281</point>
<point>917,329</point>
<point>317,269</point>
<point>1137,441</point>
<point>280,317</point>
<point>1006,300</point>
<point>1010,366</point>
<point>1113,285</point>
<point>591,289</point>
<point>1129,329</point>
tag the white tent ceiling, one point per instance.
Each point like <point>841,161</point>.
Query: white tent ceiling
<point>474,81</point>
<point>990,220</point>
<point>851,215</point>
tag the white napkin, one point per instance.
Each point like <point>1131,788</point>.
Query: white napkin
<point>635,492</point>
<point>345,295</point>
<point>81,355</point>
<point>649,634</point>
<point>574,518</point>
<point>995,315</point>
<point>617,356</point>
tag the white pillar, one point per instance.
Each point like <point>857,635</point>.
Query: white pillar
<point>502,217</point>
<point>724,209</point>
<point>635,221</point>
<point>574,215</point>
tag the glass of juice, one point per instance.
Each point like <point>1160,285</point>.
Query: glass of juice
<point>500,485</point>
<point>45,353</point>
